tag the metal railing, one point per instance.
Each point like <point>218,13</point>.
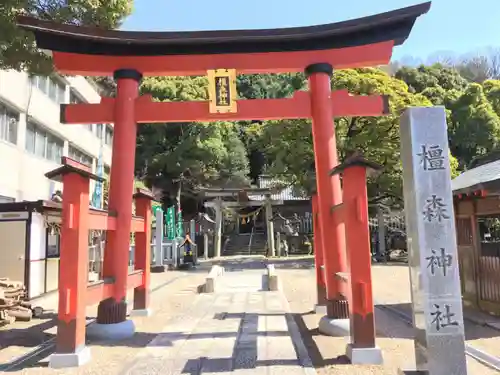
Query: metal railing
<point>96,257</point>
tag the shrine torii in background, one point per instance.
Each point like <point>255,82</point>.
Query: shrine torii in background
<point>221,55</point>
<point>218,204</point>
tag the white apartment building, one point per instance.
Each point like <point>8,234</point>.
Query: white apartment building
<point>32,140</point>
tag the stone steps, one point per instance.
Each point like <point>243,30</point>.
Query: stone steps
<point>238,245</point>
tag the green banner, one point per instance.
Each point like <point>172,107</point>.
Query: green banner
<point>180,227</point>
<point>170,222</point>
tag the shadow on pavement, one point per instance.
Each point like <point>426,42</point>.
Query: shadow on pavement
<point>473,331</point>
<point>312,349</point>
<point>292,263</point>
<point>42,344</point>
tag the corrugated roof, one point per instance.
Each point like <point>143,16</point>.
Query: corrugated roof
<point>286,194</point>
<point>474,178</point>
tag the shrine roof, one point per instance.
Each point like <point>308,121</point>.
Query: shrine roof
<point>233,192</point>
<point>280,190</point>
<point>28,206</point>
<point>390,26</point>
<point>486,176</point>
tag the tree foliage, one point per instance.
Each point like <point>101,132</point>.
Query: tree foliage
<point>179,158</point>
<point>434,82</point>
<point>17,47</point>
<point>474,127</point>
<point>289,148</point>
<point>473,109</point>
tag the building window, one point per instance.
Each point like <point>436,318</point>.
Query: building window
<point>98,131</point>
<point>53,245</point>
<point>79,156</point>
<point>54,148</point>
<point>43,144</point>
<point>74,98</point>
<point>50,86</point>
<point>108,137</point>
<point>8,124</point>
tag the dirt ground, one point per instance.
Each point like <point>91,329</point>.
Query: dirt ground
<point>395,338</point>
<point>167,301</point>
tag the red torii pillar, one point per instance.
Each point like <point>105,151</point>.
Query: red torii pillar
<point>75,292</point>
<point>354,212</point>
<point>329,192</point>
<point>318,257</point>
<point>142,256</point>
<point>112,312</point>
<point>73,269</point>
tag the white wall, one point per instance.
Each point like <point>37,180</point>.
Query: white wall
<point>22,174</point>
<point>12,256</point>
<point>37,255</point>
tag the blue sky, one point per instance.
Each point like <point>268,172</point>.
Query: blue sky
<point>457,26</point>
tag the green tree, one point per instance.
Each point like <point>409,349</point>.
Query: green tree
<point>475,127</point>
<point>179,158</point>
<point>269,86</point>
<point>492,90</point>
<point>263,86</point>
<point>435,82</point>
<point>288,143</point>
<point>17,48</point>
<point>472,112</point>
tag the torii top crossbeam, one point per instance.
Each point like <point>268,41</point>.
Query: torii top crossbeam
<point>91,51</point>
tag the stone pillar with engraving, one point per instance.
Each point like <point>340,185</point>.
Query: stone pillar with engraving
<point>432,247</point>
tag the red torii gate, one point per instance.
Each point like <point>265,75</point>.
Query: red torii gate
<point>129,56</point>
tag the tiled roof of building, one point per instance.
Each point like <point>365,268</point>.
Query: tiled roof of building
<point>476,178</point>
<point>285,194</point>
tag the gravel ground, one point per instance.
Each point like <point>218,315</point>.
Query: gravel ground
<point>394,337</point>
<point>484,338</point>
<point>21,337</point>
<point>298,280</point>
<point>110,358</point>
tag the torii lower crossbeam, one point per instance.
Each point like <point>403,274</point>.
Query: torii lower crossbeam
<point>297,107</point>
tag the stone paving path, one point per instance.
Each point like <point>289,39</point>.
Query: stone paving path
<point>239,329</point>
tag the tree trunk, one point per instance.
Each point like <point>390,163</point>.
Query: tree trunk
<point>177,195</point>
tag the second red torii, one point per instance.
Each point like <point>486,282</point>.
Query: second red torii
<point>297,107</point>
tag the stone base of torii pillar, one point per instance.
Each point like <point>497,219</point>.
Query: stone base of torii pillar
<point>334,327</point>
<point>116,331</point>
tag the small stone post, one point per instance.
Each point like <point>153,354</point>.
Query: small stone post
<point>218,228</point>
<point>270,226</point>
<point>205,245</point>
<point>381,233</point>
<point>432,246</point>
<point>158,265</point>
<point>278,243</point>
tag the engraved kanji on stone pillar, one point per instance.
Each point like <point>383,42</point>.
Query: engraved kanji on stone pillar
<point>434,272</point>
